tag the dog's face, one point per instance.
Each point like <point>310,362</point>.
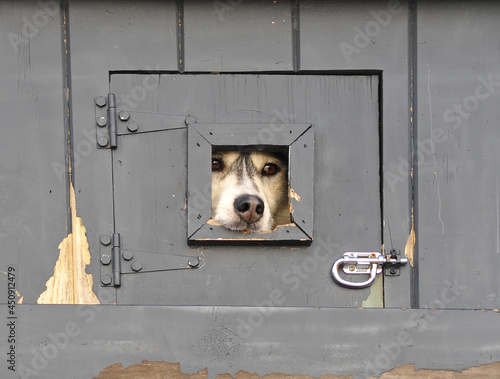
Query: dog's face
<point>249,190</point>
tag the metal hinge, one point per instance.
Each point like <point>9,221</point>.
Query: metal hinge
<point>366,263</point>
<point>105,118</point>
<point>116,261</point>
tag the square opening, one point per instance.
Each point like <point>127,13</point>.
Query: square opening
<point>250,188</point>
<point>243,191</point>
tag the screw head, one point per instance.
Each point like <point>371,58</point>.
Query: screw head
<point>101,121</point>
<point>106,280</point>
<point>132,126</point>
<point>106,260</point>
<point>100,101</point>
<point>127,255</point>
<point>102,141</point>
<point>190,120</point>
<point>105,240</point>
<point>194,262</point>
<point>124,115</point>
<point>137,266</point>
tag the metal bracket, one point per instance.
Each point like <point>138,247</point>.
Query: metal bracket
<point>365,263</point>
<point>116,261</point>
<point>106,125</point>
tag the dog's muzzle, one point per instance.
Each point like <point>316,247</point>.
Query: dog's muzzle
<point>250,208</point>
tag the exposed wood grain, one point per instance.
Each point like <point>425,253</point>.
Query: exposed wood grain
<point>161,370</point>
<point>70,284</point>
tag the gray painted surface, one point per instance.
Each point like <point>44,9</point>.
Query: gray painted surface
<point>150,186</point>
<point>459,174</point>
<point>33,158</point>
<point>256,340</point>
<point>457,194</point>
<point>331,39</point>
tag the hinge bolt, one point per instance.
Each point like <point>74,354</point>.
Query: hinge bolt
<point>137,266</point>
<point>124,115</point>
<point>100,101</point>
<point>102,141</point>
<point>101,121</point>
<point>193,262</point>
<point>105,259</point>
<point>127,255</point>
<point>106,280</point>
<point>132,126</point>
<point>105,240</point>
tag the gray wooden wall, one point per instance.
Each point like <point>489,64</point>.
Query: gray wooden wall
<point>436,65</point>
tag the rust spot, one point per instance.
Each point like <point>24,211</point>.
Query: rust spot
<point>70,284</point>
<point>410,245</point>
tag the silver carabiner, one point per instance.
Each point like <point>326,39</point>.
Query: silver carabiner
<point>355,263</point>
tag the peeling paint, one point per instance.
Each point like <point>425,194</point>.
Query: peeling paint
<point>293,195</point>
<point>164,370</point>
<point>487,371</point>
<point>20,298</point>
<point>376,297</point>
<point>147,369</point>
<point>70,284</point>
<point>410,245</point>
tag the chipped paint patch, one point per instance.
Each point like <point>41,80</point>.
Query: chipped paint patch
<point>20,298</point>
<point>376,297</point>
<point>410,245</point>
<point>70,284</point>
<point>294,195</point>
<point>165,370</point>
<point>487,371</point>
<point>147,369</point>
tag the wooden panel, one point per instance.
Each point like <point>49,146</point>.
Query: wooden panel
<point>150,179</point>
<point>33,162</point>
<point>106,36</point>
<point>237,35</point>
<point>346,35</point>
<point>81,342</point>
<point>458,136</point>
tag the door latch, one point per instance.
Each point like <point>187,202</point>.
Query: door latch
<point>369,264</point>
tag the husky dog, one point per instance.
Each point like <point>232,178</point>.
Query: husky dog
<point>250,190</point>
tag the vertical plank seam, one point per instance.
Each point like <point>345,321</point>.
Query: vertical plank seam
<point>412,47</point>
<point>295,4</point>
<point>180,35</point>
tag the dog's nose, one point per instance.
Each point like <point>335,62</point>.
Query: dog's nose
<point>249,207</point>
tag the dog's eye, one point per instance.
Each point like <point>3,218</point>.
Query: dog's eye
<point>216,165</point>
<point>270,169</point>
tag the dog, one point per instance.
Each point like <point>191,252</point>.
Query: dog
<point>250,190</point>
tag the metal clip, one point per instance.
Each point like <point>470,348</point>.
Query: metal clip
<point>355,263</point>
